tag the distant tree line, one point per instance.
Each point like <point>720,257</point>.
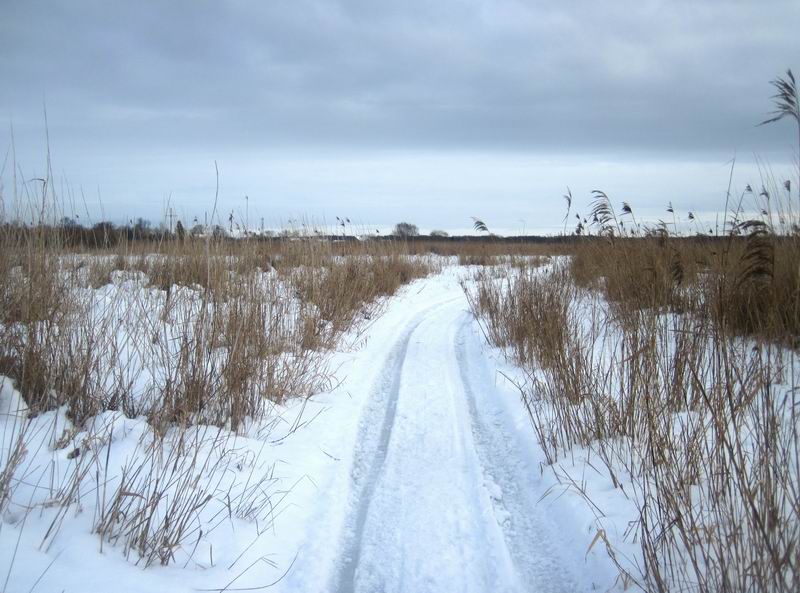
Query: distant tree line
<point>70,233</point>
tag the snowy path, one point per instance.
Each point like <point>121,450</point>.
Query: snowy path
<point>418,471</point>
<point>441,499</point>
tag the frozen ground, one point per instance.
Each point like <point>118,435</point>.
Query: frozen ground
<point>418,472</point>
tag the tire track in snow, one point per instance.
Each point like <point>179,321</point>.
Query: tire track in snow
<point>509,479</point>
<point>424,523</point>
<point>375,433</point>
<point>477,512</point>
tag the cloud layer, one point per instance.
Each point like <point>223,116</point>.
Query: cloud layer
<point>250,82</point>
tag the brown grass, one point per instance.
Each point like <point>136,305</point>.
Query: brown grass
<point>634,349</point>
<point>226,328</point>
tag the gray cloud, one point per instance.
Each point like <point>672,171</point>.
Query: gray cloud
<point>585,80</point>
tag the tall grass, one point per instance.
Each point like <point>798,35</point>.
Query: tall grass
<point>202,336</point>
<point>655,379</point>
<point>674,361</point>
<point>202,330</point>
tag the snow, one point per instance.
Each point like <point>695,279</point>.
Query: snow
<point>417,471</point>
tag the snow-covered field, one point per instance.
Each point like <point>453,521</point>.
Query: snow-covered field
<point>417,471</point>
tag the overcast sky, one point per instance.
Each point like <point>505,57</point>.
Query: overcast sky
<point>429,111</point>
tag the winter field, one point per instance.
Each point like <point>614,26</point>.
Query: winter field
<point>613,413</point>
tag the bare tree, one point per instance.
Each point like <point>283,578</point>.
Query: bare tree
<point>405,229</point>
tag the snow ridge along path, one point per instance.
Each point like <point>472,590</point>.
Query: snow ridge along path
<point>442,499</point>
